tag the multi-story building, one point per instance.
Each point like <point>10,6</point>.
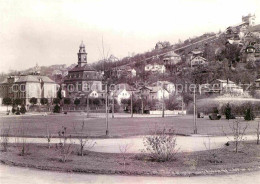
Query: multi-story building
<point>25,87</point>
<point>171,58</point>
<point>156,68</point>
<point>83,79</point>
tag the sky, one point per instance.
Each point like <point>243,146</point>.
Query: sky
<point>49,32</point>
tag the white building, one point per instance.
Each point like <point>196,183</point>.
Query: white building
<point>198,61</point>
<point>155,68</point>
<point>171,58</point>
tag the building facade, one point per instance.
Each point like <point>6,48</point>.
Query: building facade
<point>83,80</point>
<point>25,87</point>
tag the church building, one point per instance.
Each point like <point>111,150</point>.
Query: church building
<point>83,79</point>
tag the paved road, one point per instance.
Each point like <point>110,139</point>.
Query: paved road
<point>14,175</point>
<point>135,144</point>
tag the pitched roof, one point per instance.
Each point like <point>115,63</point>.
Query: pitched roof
<point>196,52</point>
<point>85,67</point>
<point>4,81</point>
<point>34,78</point>
<point>198,57</point>
<point>171,54</point>
<point>255,28</point>
<point>225,81</point>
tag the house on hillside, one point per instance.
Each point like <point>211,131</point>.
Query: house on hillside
<point>156,68</point>
<point>198,61</point>
<point>122,91</point>
<point>220,86</point>
<point>192,54</point>
<point>257,84</point>
<point>171,58</point>
<point>158,93</point>
<point>169,86</point>
<point>125,71</point>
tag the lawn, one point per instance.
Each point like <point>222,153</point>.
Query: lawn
<point>35,126</point>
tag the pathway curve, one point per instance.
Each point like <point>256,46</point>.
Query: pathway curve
<point>14,175</point>
<point>135,144</point>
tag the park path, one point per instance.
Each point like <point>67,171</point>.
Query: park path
<point>135,144</point>
<point>14,175</point>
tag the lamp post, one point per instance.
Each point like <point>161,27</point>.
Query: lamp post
<point>106,95</point>
<point>163,101</point>
<point>195,131</point>
<point>87,105</point>
<point>113,105</point>
<point>131,104</point>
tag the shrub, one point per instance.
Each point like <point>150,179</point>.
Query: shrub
<point>249,115</point>
<point>56,109</point>
<point>23,109</point>
<point>17,111</point>
<point>17,101</point>
<point>56,101</point>
<point>161,147</point>
<point>7,101</point>
<point>5,139</point>
<point>214,116</point>
<point>44,101</point>
<point>77,101</point>
<point>33,100</point>
<point>64,148</point>
<point>228,112</point>
<point>13,110</point>
<point>67,101</point>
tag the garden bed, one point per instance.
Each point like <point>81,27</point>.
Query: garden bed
<point>210,162</point>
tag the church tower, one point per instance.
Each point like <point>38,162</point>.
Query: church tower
<point>82,55</point>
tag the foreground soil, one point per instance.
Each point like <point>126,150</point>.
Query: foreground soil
<point>211,162</point>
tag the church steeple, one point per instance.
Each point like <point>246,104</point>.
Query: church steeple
<point>82,55</point>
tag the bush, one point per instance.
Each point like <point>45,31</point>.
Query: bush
<point>228,112</point>
<point>56,101</point>
<point>33,100</point>
<point>214,116</point>
<point>77,101</point>
<point>56,109</point>
<point>17,111</point>
<point>44,101</point>
<point>161,147</point>
<point>7,101</point>
<point>67,101</point>
<point>17,101</point>
<point>23,109</point>
<point>13,110</point>
<point>249,115</point>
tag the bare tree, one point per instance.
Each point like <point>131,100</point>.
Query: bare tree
<point>64,148</point>
<point>212,152</point>
<point>238,132</point>
<point>123,150</point>
<point>21,143</point>
<point>257,133</point>
<point>84,141</point>
<point>48,136</point>
<point>5,139</point>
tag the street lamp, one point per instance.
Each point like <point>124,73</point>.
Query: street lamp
<point>195,130</point>
<point>106,95</point>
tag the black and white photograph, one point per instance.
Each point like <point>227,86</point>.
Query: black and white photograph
<point>129,91</point>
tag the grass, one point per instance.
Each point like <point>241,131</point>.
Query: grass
<point>196,163</point>
<point>35,126</point>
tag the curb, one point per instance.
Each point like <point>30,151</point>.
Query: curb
<point>135,173</point>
